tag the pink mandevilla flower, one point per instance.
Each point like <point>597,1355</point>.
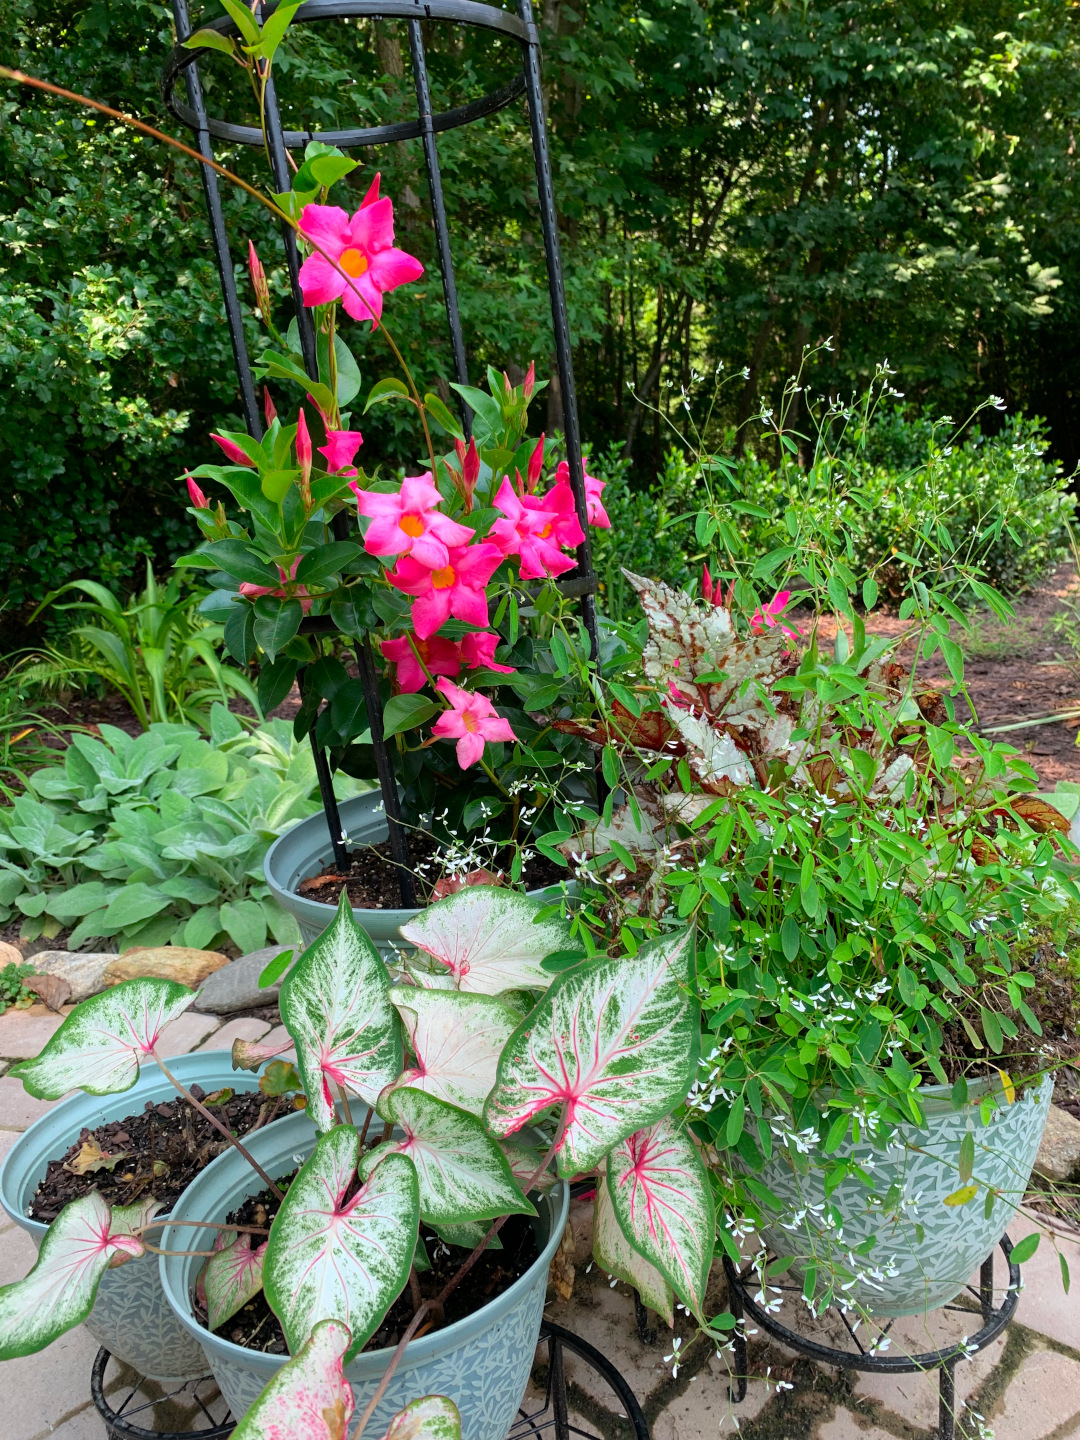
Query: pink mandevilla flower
<point>341,445</point>
<point>440,656</point>
<point>565,528</point>
<point>594,509</point>
<point>409,522</point>
<point>251,590</point>
<point>769,616</point>
<point>456,588</point>
<point>478,652</point>
<point>471,721</point>
<point>528,531</point>
<point>366,263</point>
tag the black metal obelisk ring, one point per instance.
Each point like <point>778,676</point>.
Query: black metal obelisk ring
<point>581,583</point>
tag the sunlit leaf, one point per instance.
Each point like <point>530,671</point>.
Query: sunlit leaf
<point>488,939</point>
<point>614,1040</point>
<point>309,1397</point>
<point>332,1257</point>
<point>456,1039</point>
<point>101,1044</point>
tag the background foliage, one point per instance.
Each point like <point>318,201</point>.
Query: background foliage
<point>736,182</point>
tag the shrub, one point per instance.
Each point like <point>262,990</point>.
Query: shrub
<point>159,838</point>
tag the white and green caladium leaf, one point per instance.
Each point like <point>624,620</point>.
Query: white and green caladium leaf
<point>332,1258</point>
<point>59,1292</point>
<point>309,1397</point>
<point>456,1039</point>
<point>614,1253</point>
<point>335,1003</point>
<point>231,1277</point>
<point>614,1041</point>
<point>525,1162</point>
<point>432,1417</point>
<point>101,1044</point>
<point>467,1236</point>
<point>462,1172</point>
<point>663,1201</point>
<point>488,939</point>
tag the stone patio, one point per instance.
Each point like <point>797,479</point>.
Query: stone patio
<point>1026,1386</point>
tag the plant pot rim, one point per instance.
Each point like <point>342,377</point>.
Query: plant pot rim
<point>81,1108</point>
<point>366,1363</point>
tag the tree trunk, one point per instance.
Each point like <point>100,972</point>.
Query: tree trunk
<point>388,50</point>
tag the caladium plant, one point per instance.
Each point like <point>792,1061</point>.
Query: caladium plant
<point>483,1071</point>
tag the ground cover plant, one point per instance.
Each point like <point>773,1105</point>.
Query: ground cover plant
<point>158,838</point>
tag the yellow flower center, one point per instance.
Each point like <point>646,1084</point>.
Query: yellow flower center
<point>546,531</point>
<point>444,578</point>
<point>468,719</point>
<point>412,525</point>
<point>353,262</point>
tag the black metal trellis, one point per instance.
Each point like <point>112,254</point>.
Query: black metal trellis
<point>130,1413</point>
<point>943,1360</point>
<point>581,583</point>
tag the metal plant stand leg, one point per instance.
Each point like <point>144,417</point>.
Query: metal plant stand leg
<point>943,1360</point>
<point>129,1412</point>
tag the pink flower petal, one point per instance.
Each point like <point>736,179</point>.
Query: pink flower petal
<point>319,281</point>
<point>391,268</point>
<point>373,226</point>
<point>470,749</point>
<point>362,299</point>
<point>327,226</point>
<point>432,610</point>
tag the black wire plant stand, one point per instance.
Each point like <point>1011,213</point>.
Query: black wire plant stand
<point>995,1317</point>
<point>581,583</point>
<point>129,1410</point>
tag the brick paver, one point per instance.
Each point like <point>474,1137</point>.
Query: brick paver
<point>185,1033</point>
<point>23,1033</point>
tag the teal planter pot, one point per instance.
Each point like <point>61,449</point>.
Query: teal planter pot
<point>130,1316</point>
<point>305,850</point>
<point>924,1251</point>
<point>482,1363</point>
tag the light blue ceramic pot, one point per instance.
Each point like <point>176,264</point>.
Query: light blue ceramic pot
<point>305,850</point>
<point>130,1316</point>
<point>482,1363</point>
<point>924,1251</point>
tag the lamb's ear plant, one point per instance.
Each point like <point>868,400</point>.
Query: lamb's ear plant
<point>480,1090</point>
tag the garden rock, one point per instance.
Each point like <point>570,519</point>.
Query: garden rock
<point>84,973</point>
<point>166,962</point>
<point>236,985</point>
<point>9,954</point>
<point>1059,1154</point>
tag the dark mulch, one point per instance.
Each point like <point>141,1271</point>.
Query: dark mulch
<point>166,1146</point>
<point>372,879</point>
<point>256,1327</point>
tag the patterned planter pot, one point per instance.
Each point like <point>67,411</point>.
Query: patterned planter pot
<point>130,1316</point>
<point>482,1362</point>
<point>925,1251</point>
<point>305,850</point>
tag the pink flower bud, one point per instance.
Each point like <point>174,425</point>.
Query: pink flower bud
<point>258,282</point>
<point>269,408</point>
<point>198,499</point>
<point>233,451</point>
<point>303,458</point>
<point>536,463</point>
<point>707,591</point>
<point>470,473</point>
<point>530,380</point>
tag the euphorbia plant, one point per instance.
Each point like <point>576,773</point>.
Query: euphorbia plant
<point>495,1027</point>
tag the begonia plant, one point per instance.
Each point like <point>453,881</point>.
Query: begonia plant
<point>499,1060</point>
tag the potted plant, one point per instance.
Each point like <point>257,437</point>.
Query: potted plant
<point>483,1070</point>
<point>420,615</point>
<point>887,938</point>
<point>126,1135</point>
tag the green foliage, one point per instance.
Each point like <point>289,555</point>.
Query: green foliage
<point>897,483</point>
<point>156,652</point>
<point>158,839</point>
<point>12,989</point>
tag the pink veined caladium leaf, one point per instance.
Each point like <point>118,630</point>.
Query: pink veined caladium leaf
<point>335,1258</point>
<point>614,1041</point>
<point>524,1162</point>
<point>432,1417</point>
<point>335,1003</point>
<point>101,1044</point>
<point>456,1040</point>
<point>309,1397</point>
<point>250,1055</point>
<point>488,939</point>
<point>231,1277</point>
<point>614,1254</point>
<point>462,1172</point>
<point>59,1292</point>
<point>662,1199</point>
